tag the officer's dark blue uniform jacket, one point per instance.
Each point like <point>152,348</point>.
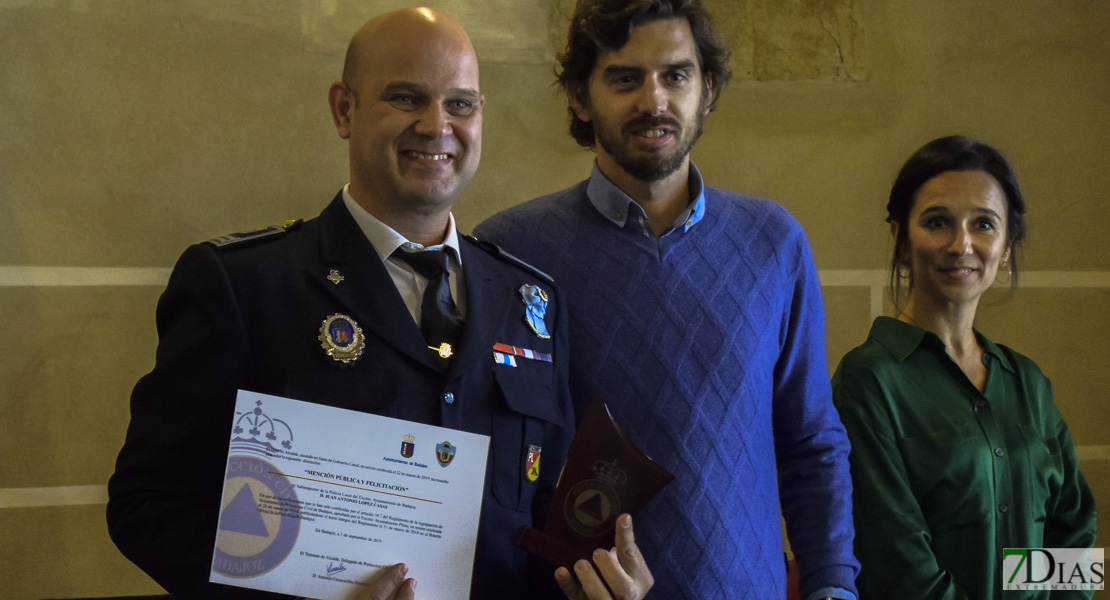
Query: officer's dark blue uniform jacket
<point>248,316</point>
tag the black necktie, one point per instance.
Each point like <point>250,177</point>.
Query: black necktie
<point>439,317</point>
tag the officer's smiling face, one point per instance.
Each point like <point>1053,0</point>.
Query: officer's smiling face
<point>415,130</point>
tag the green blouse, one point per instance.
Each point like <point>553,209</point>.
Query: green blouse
<point>946,476</point>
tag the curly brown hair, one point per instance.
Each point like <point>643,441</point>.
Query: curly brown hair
<point>604,25</point>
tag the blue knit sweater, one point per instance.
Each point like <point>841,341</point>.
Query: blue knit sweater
<point>708,346</point>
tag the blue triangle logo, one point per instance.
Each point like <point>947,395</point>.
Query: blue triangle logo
<point>242,516</point>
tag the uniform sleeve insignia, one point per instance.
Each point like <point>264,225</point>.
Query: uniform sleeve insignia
<point>497,252</point>
<point>532,463</point>
<point>535,307</point>
<point>271,232</point>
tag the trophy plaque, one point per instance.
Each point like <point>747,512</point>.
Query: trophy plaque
<point>605,475</point>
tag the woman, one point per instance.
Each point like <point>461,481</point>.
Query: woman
<point>957,448</point>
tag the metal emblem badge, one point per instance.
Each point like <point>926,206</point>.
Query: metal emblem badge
<point>444,350</point>
<point>535,307</point>
<point>342,339</point>
<point>408,444</point>
<point>445,453</point>
<point>532,463</point>
<point>335,277</point>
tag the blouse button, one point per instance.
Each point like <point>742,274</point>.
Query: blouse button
<point>999,452</point>
<point>1003,507</point>
<point>449,397</point>
<point>979,402</point>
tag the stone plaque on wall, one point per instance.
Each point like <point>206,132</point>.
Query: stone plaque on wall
<point>502,31</point>
<point>775,40</point>
<point>771,40</point>
<point>793,40</point>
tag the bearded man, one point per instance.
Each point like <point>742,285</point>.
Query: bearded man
<point>694,312</point>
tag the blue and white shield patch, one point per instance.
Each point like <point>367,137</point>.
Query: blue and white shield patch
<point>535,307</point>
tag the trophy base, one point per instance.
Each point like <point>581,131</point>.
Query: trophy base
<point>548,548</point>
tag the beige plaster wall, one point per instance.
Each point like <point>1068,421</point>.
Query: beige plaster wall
<point>132,128</point>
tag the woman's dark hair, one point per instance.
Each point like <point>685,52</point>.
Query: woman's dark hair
<point>952,153</point>
<point>604,25</point>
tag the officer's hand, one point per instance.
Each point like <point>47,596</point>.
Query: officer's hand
<point>622,568</point>
<point>390,584</point>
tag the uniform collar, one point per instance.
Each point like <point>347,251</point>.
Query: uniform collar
<point>901,339</point>
<point>616,206</point>
<point>385,239</point>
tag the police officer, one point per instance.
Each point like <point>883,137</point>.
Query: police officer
<point>377,305</point>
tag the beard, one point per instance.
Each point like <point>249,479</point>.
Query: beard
<point>650,166</point>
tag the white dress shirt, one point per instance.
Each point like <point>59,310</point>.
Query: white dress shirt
<point>410,284</point>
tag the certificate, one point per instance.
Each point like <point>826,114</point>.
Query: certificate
<point>317,499</point>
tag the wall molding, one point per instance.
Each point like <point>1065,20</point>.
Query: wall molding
<point>25,276</point>
<point>78,495</point>
<point>874,279</point>
<point>71,495</point>
<point>877,281</point>
<point>35,276</point>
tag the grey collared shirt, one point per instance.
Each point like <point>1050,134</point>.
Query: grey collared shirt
<point>618,207</point>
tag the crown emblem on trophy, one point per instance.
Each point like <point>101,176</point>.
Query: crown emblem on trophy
<point>255,432</point>
<point>610,473</point>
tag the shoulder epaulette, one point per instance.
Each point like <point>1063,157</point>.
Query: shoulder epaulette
<point>496,251</point>
<point>272,232</point>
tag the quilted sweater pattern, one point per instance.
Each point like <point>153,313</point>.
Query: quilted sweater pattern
<point>708,346</point>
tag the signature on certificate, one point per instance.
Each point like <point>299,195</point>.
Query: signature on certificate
<point>335,569</point>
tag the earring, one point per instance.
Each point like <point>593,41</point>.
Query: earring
<point>1009,276</point>
<point>903,271</point>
